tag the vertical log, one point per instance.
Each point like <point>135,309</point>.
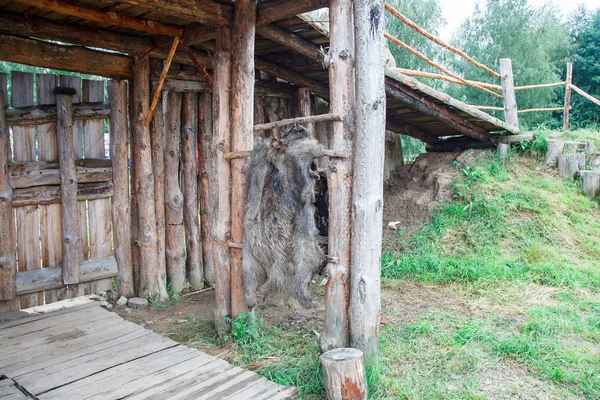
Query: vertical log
<point>259,116</point>
<point>175,233</point>
<point>51,214</point>
<point>157,135</point>
<point>189,132</point>
<point>151,284</point>
<point>135,224</point>
<point>345,377</point>
<point>367,193</point>
<point>121,217</point>
<point>8,262</point>
<point>569,81</point>
<point>393,153</point>
<point>28,217</point>
<point>339,179</point>
<point>219,176</point>
<point>305,108</point>
<point>205,134</point>
<point>511,114</point>
<point>68,188</point>
<point>242,135</point>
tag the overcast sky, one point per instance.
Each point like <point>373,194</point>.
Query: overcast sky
<point>456,11</point>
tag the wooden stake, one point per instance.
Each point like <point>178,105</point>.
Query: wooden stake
<point>305,108</point>
<point>151,284</point>
<point>189,168</point>
<point>161,81</point>
<point>175,232</point>
<point>568,96</point>
<point>345,377</point>
<point>339,179</point>
<point>242,134</point>
<point>121,217</point>
<point>219,178</point>
<point>299,120</point>
<point>511,114</point>
<point>205,159</point>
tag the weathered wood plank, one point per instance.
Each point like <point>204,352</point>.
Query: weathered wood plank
<point>46,113</point>
<point>28,175</point>
<point>205,159</point>
<point>51,194</point>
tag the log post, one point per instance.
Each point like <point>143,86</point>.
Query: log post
<point>242,134</point>
<point>305,108</point>
<point>339,178</point>
<point>157,137</point>
<point>151,284</point>
<point>8,262</point>
<point>344,371</point>
<point>135,224</point>
<point>72,253</point>
<point>367,192</point>
<point>121,217</point>
<point>555,148</point>
<point>189,112</point>
<point>205,134</point>
<point>591,182</point>
<point>511,113</point>
<point>570,164</point>
<point>569,82</point>
<point>175,231</point>
<point>219,178</point>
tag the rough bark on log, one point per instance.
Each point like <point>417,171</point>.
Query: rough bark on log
<point>345,377</point>
<point>205,134</point>
<point>242,135</point>
<point>393,153</point>
<point>151,284</point>
<point>175,232</point>
<point>121,217</point>
<point>46,113</point>
<point>68,183</point>
<point>555,148</point>
<point>511,114</point>
<point>305,109</point>
<point>31,174</point>
<point>44,195</point>
<point>189,146</point>
<point>339,179</point>
<point>219,176</point>
<point>569,81</point>
<point>570,164</point>
<point>591,182</point>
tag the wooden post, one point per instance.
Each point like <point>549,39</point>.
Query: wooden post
<point>121,217</point>
<point>511,113</point>
<point>339,178</point>
<point>345,377</point>
<point>157,136</point>
<point>242,135</point>
<point>189,167</point>
<point>205,134</point>
<point>151,284</point>
<point>135,225</point>
<point>305,108</point>
<point>68,187</point>
<point>568,96</point>
<point>367,193</point>
<point>8,262</point>
<point>219,177</point>
<point>175,232</point>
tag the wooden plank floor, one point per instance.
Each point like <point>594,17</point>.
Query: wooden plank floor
<point>87,352</point>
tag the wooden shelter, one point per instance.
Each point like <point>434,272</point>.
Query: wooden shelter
<point>192,84</point>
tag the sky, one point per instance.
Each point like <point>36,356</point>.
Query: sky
<point>456,11</point>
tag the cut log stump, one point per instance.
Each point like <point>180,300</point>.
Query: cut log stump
<point>503,149</point>
<point>345,377</point>
<point>594,162</point>
<point>591,182</point>
<point>570,164</point>
<point>574,147</point>
<point>590,147</point>
<point>555,147</point>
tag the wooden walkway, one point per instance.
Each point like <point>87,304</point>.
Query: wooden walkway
<point>90,353</point>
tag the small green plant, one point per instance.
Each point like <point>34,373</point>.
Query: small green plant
<point>191,318</point>
<point>172,294</point>
<point>155,303</point>
<point>245,329</point>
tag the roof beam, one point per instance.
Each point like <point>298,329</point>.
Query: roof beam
<point>290,41</point>
<point>105,17</point>
<point>206,12</point>
<point>409,130</point>
<point>275,10</point>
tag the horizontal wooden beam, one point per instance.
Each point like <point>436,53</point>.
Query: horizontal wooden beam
<point>37,280</point>
<point>67,58</point>
<point>275,10</point>
<point>409,130</point>
<point>297,79</point>
<point>532,110</point>
<point>45,114</point>
<point>298,121</point>
<point>459,143</point>
<point>248,153</point>
<point>541,86</point>
<point>176,85</point>
<point>584,94</point>
<point>290,41</point>
<point>423,74</point>
<point>206,12</point>
<point>105,17</point>
<point>42,173</point>
<point>51,194</point>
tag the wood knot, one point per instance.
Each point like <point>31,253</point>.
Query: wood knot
<point>65,90</point>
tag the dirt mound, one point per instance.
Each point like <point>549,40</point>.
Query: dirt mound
<point>413,191</point>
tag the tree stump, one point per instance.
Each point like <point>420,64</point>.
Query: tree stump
<point>555,147</point>
<point>503,149</point>
<point>594,161</point>
<point>570,164</point>
<point>590,147</point>
<point>591,182</point>
<point>345,377</point>
<point>574,147</point>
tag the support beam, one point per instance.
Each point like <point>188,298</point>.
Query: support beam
<point>207,12</point>
<point>292,77</point>
<point>299,120</point>
<point>68,184</point>
<point>242,135</point>
<point>205,159</point>
<point>45,114</point>
<point>409,130</point>
<point>339,179</point>
<point>290,40</point>
<point>567,110</point>
<point>305,109</point>
<point>219,178</point>
<point>511,111</point>
<point>275,10</point>
<point>367,193</point>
